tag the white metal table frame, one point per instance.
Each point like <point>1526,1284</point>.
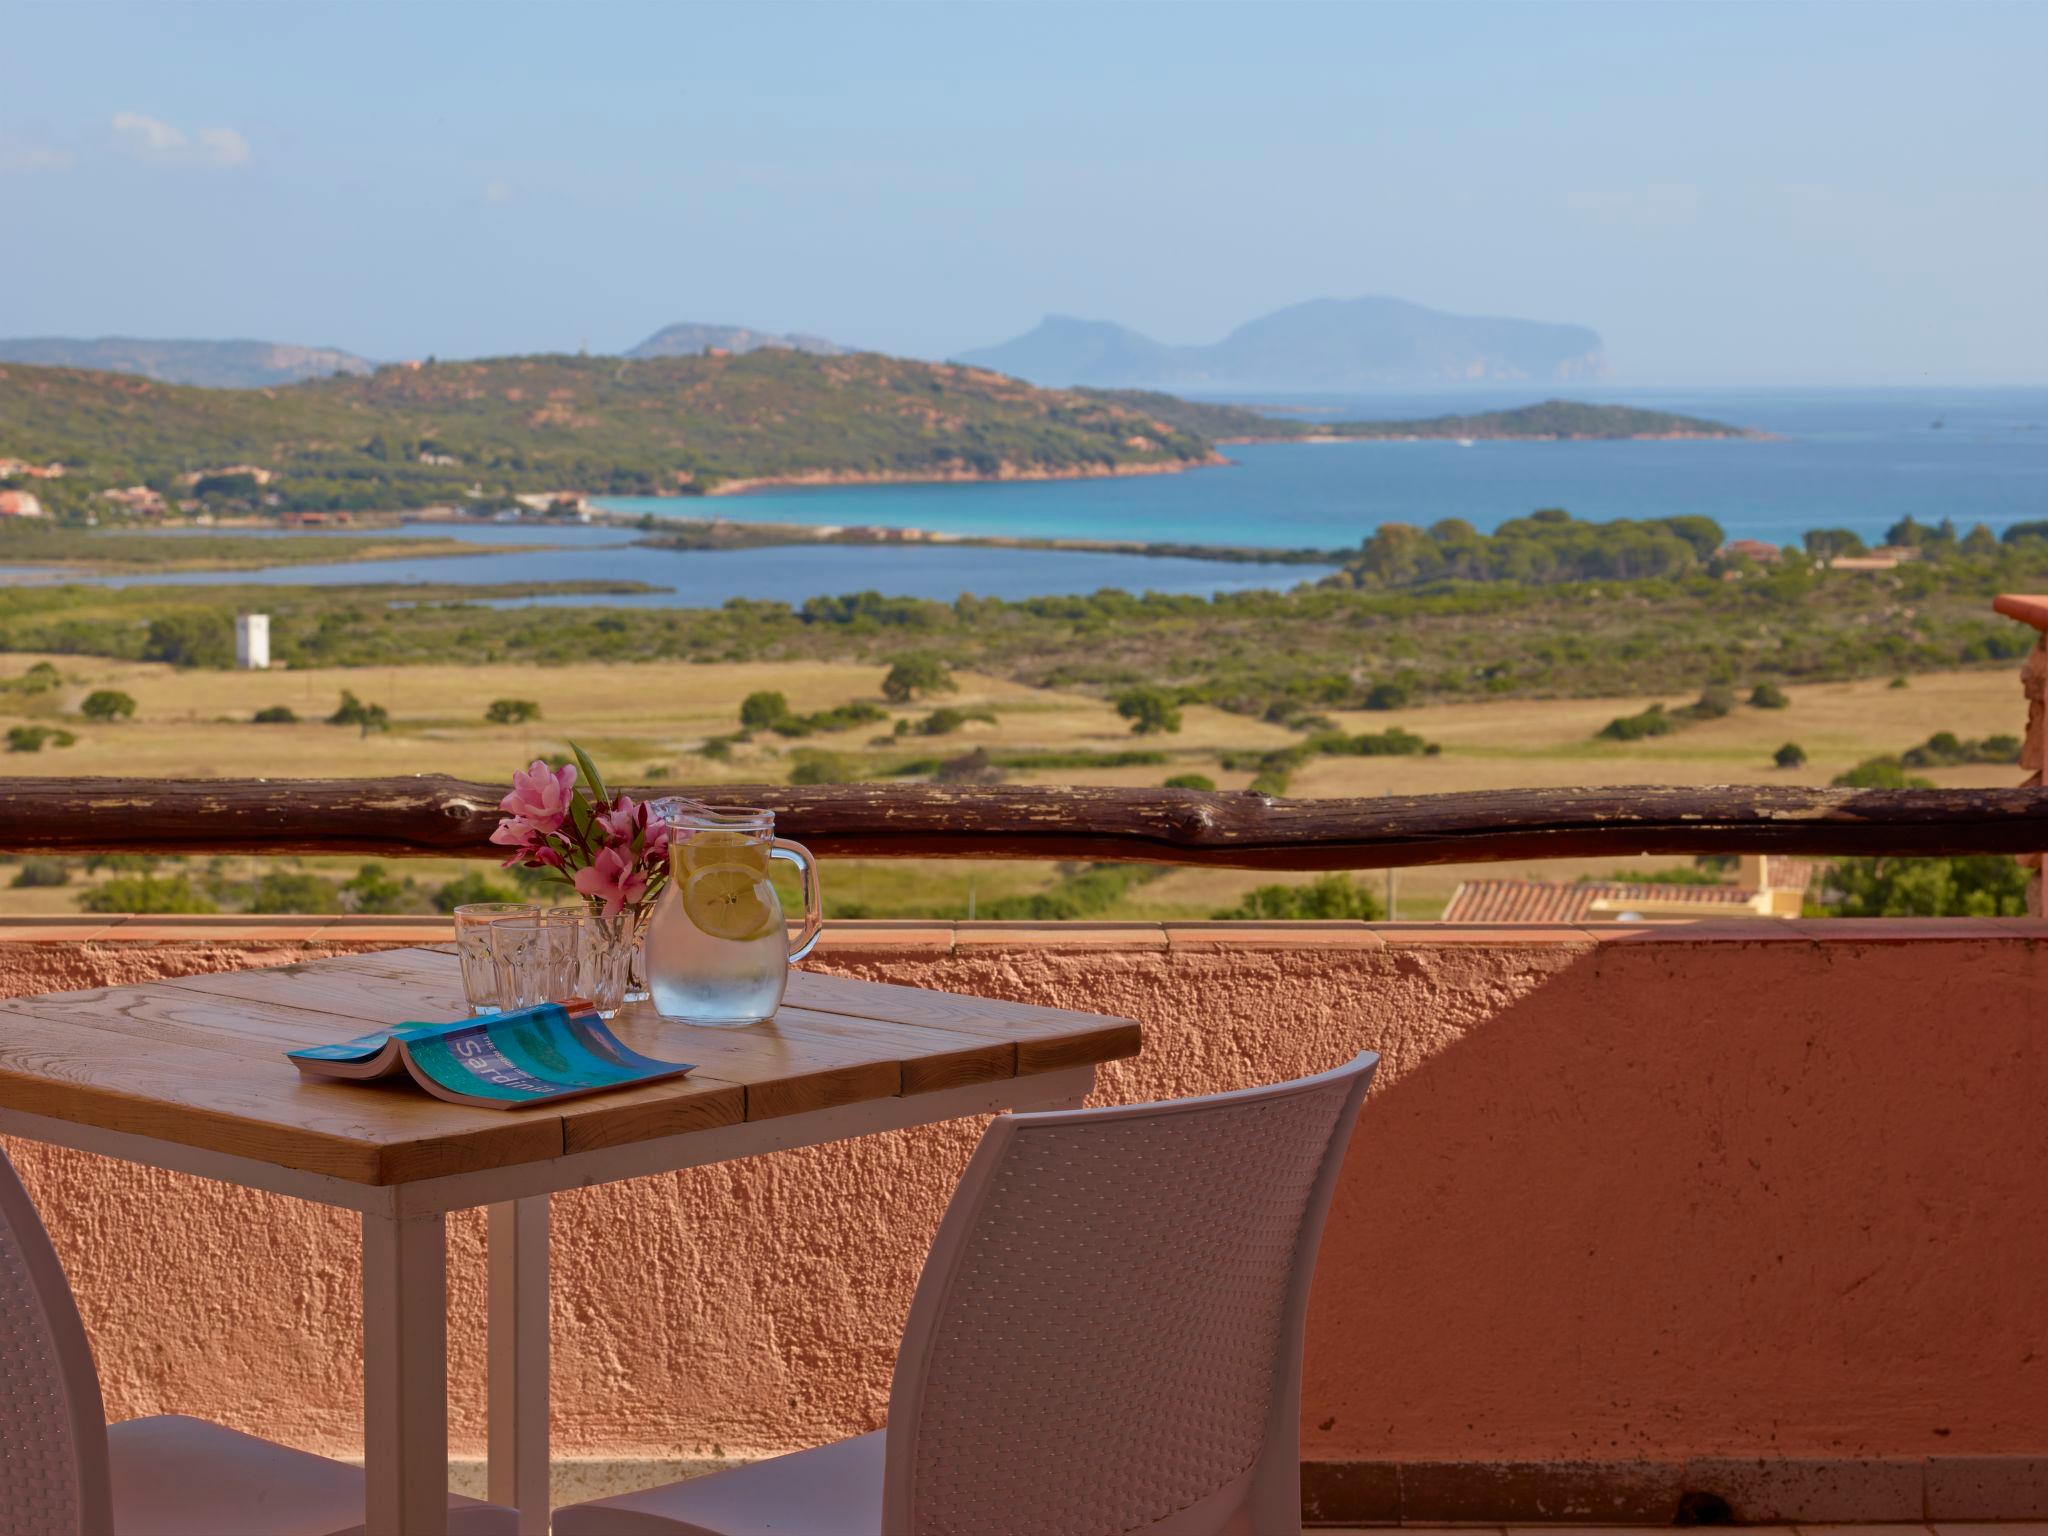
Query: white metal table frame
<point>405,1292</point>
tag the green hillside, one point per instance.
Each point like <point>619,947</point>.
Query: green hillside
<point>409,436</point>
<point>1550,420</point>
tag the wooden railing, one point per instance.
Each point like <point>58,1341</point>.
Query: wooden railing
<point>430,815</point>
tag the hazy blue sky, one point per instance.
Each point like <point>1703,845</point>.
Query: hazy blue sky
<point>1729,193</point>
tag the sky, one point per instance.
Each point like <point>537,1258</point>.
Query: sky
<point>1730,193</point>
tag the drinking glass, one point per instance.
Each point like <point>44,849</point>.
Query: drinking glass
<point>605,951</point>
<point>718,950</point>
<point>519,946</point>
<point>473,924</point>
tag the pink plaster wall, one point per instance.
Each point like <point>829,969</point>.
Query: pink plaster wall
<point>1650,1196</point>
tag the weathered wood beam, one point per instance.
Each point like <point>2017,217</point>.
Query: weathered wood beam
<point>432,815</point>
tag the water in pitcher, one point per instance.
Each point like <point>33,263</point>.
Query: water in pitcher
<point>717,948</point>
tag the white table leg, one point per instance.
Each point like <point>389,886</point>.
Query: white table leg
<point>518,1354</point>
<point>405,1375</point>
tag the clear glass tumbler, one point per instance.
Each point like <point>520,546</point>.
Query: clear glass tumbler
<point>718,949</point>
<point>473,924</point>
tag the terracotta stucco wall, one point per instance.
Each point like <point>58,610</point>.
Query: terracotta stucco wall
<point>1773,1190</point>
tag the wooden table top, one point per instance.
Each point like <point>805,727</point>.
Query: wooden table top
<point>200,1062</point>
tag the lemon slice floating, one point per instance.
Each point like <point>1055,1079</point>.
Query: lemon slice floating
<point>731,901</point>
<point>693,851</point>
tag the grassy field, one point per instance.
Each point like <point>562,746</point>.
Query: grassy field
<point>649,721</point>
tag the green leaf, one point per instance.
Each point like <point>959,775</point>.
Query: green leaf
<point>580,814</point>
<point>590,774</point>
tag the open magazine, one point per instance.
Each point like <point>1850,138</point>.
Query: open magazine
<point>498,1060</point>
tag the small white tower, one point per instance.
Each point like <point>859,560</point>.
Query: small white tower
<point>252,641</point>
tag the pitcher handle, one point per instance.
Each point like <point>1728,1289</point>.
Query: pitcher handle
<point>807,878</point>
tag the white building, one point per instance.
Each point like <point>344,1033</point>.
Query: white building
<point>252,641</point>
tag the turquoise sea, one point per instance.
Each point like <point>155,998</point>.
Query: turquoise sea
<point>1847,459</point>
<point>1857,459</point>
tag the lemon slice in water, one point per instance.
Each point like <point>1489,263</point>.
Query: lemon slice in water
<point>731,901</point>
<point>692,851</point>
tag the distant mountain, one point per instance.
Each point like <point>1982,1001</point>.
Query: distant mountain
<point>212,364</point>
<point>1324,344</point>
<point>688,339</point>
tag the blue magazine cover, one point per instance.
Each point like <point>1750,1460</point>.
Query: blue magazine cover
<point>502,1060</point>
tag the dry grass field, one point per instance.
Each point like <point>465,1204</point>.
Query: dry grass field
<point>645,722</point>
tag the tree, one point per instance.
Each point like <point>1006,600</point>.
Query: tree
<point>353,711</point>
<point>1979,885</point>
<point>512,711</point>
<point>276,714</point>
<point>1150,710</point>
<point>190,640</point>
<point>1824,544</point>
<point>761,711</point>
<point>914,674</point>
<point>1330,896</point>
<point>1767,696</point>
<point>1790,755</point>
<point>106,704</point>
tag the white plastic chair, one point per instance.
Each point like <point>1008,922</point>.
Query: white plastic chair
<point>1106,1338</point>
<point>64,1471</point>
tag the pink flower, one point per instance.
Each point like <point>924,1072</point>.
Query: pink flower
<point>622,821</point>
<point>540,795</point>
<point>520,835</point>
<point>613,878</point>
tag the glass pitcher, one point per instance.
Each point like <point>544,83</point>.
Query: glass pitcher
<point>718,949</point>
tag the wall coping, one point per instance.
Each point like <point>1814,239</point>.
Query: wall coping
<point>2027,608</point>
<point>910,938</point>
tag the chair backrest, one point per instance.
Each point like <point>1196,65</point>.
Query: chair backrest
<point>53,1428</point>
<point>1107,1334</point>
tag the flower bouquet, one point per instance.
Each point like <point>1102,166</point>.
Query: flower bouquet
<point>610,849</point>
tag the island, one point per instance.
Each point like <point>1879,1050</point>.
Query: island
<point>1547,421</point>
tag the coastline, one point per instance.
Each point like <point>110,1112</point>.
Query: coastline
<point>825,478</point>
<point>1323,438</point>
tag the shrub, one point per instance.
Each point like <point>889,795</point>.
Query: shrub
<point>760,711</point>
<point>276,714</point>
<point>473,885</point>
<point>1394,693</point>
<point>1651,722</point>
<point>1767,696</point>
<point>41,872</point>
<point>372,888</point>
<point>293,890</point>
<point>975,767</point>
<point>1150,710</point>
<point>105,704</point>
<point>353,711</point>
<point>915,674</point>
<point>512,711</point>
<point>945,721</point>
<point>31,738</point>
<point>1944,749</point>
<point>811,767</point>
<point>1714,702</point>
<point>1189,781</point>
<point>1329,896</point>
<point>146,893</point>
<point>1880,773</point>
<point>1790,755</point>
